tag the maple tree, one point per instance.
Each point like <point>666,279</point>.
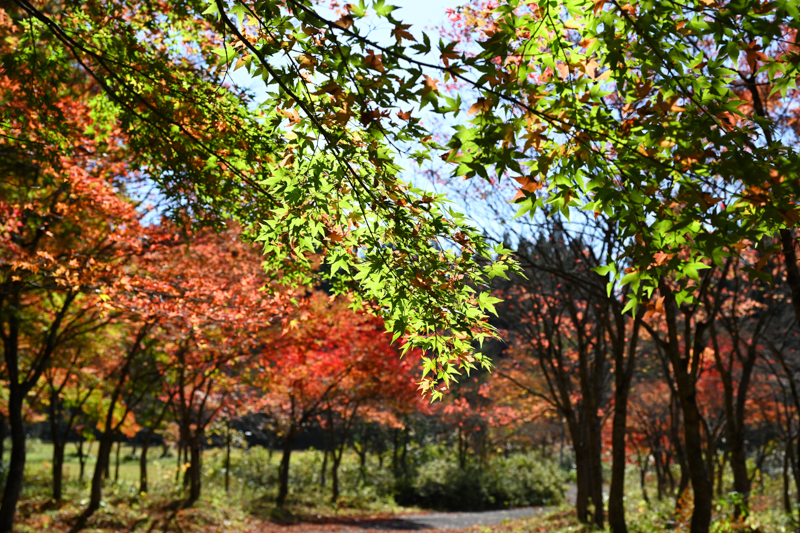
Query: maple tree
<point>223,154</point>
<point>66,231</point>
<point>329,359</point>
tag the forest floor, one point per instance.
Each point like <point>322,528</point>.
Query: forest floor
<point>244,511</point>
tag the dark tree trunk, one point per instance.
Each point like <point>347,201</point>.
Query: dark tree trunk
<point>146,444</point>
<point>787,502</point>
<point>623,375</point>
<point>195,469</point>
<point>16,467</point>
<point>2,440</point>
<point>81,459</point>
<point>596,465</point>
<point>105,445</point>
<point>179,466</point>
<point>58,470</point>
<point>792,271</point>
<point>692,419</point>
<point>116,462</point>
<point>58,444</point>
<point>228,458</point>
<point>143,465</point>
<point>395,452</point>
<point>283,469</point>
<point>642,481</point>
<point>582,469</point>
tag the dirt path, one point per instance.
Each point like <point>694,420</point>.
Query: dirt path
<point>418,522</point>
<point>414,522</point>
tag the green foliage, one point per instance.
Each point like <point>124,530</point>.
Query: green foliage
<point>308,165</point>
<point>638,112</point>
<point>516,481</point>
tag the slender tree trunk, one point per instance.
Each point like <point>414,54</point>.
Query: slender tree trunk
<point>787,502</point>
<point>337,460</point>
<point>179,466</point>
<point>116,461</point>
<point>228,458</point>
<point>721,474</point>
<point>58,470</point>
<point>195,468</point>
<point>660,478</point>
<point>792,271</point>
<point>642,481</point>
<point>404,453</point>
<point>395,452</point>
<point>2,440</point>
<point>143,465</point>
<point>623,375</point>
<point>692,419</point>
<point>596,466</point>
<point>324,468</point>
<point>582,481</point>
<point>283,469</point>
<point>81,459</point>
<point>16,467</point>
<point>146,444</point>
<point>105,445</point>
<point>58,444</point>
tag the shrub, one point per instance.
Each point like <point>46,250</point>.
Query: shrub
<point>517,481</point>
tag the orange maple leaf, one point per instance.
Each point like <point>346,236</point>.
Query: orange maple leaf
<point>400,32</point>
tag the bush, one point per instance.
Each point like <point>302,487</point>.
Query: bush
<point>523,479</point>
<point>517,481</point>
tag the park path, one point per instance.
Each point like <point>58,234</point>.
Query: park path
<point>411,522</point>
<point>415,522</point>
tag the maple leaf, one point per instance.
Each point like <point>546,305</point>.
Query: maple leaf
<point>430,85</point>
<point>293,116</point>
<point>482,105</point>
<point>404,115</point>
<point>346,22</point>
<point>400,32</point>
<point>374,61</point>
<point>307,62</point>
<point>331,88</point>
<point>753,52</point>
<point>528,183</point>
<point>446,56</point>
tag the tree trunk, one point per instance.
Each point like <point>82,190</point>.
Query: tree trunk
<point>283,470</point>
<point>582,474</point>
<point>792,271</point>
<point>395,452</point>
<point>623,375</point>
<point>143,465</point>
<point>2,440</point>
<point>195,469</point>
<point>116,461</point>
<point>228,459</point>
<point>692,419</point>
<point>337,460</point>
<point>58,469</point>
<point>787,502</point>
<point>81,459</point>
<point>16,467</point>
<point>596,466</point>
<point>58,444</point>
<point>642,482</point>
<point>146,444</point>
<point>105,444</point>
